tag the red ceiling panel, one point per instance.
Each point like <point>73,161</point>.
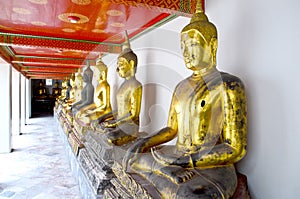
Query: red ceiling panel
<point>40,38</point>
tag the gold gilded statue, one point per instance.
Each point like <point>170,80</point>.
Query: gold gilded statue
<point>41,91</point>
<point>101,103</point>
<point>60,99</point>
<point>208,117</point>
<point>56,90</point>
<point>122,126</point>
<point>78,85</point>
<point>71,92</point>
<point>87,92</point>
<point>64,88</point>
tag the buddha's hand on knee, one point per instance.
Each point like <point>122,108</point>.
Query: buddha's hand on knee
<point>94,124</point>
<point>78,115</point>
<point>182,161</point>
<point>133,152</point>
<point>87,112</point>
<point>108,124</point>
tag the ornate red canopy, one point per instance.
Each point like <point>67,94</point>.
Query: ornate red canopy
<point>52,38</point>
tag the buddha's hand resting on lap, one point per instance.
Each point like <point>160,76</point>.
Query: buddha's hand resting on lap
<point>133,152</point>
<point>182,161</point>
<point>94,124</point>
<point>108,124</point>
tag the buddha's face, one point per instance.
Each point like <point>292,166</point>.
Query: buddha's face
<point>99,75</point>
<point>102,75</point>
<point>196,52</point>
<point>124,67</point>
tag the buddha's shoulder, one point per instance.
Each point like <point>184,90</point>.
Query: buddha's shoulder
<point>135,83</point>
<point>231,81</point>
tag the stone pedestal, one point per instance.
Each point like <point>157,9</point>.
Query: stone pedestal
<point>90,157</point>
<point>96,161</point>
<point>131,185</point>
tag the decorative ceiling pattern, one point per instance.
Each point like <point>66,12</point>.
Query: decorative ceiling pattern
<point>52,38</point>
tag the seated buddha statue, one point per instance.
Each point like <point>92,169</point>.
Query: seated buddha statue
<point>207,116</point>
<point>78,85</point>
<point>122,126</point>
<point>64,87</point>
<point>60,99</point>
<point>87,92</point>
<point>101,103</point>
<point>56,90</point>
<point>41,91</point>
<point>70,92</point>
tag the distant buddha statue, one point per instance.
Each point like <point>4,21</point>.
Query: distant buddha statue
<point>208,117</point>
<point>87,92</point>
<point>64,88</point>
<point>123,125</point>
<point>101,103</point>
<point>78,85</point>
<point>41,91</point>
<point>71,92</point>
<point>56,90</point>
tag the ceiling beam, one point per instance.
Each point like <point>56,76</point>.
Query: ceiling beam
<point>11,39</point>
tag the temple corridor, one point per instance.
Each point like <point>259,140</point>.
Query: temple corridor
<point>38,166</point>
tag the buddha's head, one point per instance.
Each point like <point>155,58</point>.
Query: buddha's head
<point>127,61</point>
<point>56,85</point>
<point>88,74</point>
<point>101,70</point>
<point>63,84</point>
<point>199,42</point>
<point>78,78</point>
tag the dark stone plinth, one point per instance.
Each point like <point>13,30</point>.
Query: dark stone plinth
<point>136,186</point>
<point>98,177</point>
<point>96,162</point>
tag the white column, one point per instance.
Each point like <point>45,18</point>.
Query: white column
<point>16,102</point>
<point>28,100</point>
<point>5,107</point>
<point>23,102</point>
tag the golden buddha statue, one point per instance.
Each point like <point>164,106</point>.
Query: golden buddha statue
<point>64,88</point>
<point>71,92</point>
<point>56,90</point>
<point>41,91</point>
<point>78,85</point>
<point>87,93</point>
<point>123,125</point>
<point>208,117</point>
<point>101,103</point>
<point>60,99</point>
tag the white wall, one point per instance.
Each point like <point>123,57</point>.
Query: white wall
<point>258,42</point>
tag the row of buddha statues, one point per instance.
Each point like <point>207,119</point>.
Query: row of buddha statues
<point>41,91</point>
<point>207,116</point>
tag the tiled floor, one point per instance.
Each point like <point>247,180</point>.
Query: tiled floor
<point>38,167</point>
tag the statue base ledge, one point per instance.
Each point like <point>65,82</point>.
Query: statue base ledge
<point>131,185</point>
